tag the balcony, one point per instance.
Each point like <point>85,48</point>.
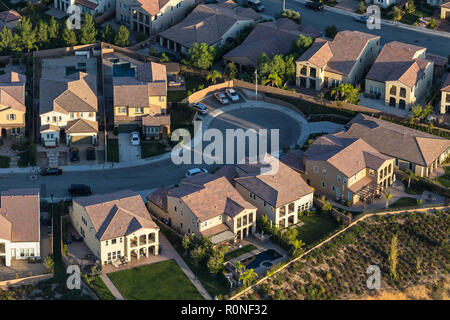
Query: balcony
<point>303,71</point>
<point>291,208</point>
<point>312,72</point>
<point>282,212</point>
<point>2,248</point>
<point>403,92</point>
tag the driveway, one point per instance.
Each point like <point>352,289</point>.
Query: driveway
<point>128,152</point>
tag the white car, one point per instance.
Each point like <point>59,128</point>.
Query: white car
<point>222,98</point>
<point>134,138</point>
<point>195,171</point>
<point>201,108</point>
<point>232,94</point>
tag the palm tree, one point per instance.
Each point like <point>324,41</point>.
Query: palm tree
<point>273,79</point>
<point>411,176</point>
<point>297,244</point>
<point>213,76</point>
<point>240,268</point>
<point>248,276</point>
<point>388,197</point>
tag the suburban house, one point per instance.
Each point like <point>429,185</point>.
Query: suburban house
<point>275,189</point>
<point>12,104</point>
<point>212,24</point>
<point>205,205</point>
<point>115,226</point>
<point>415,150</point>
<point>151,16</point>
<point>69,106</point>
<point>401,75</point>
<point>92,7</point>
<point>384,3</point>
<point>445,96</point>
<point>345,60</point>
<point>20,232</point>
<point>347,168</point>
<point>9,19</point>
<point>274,37</point>
<point>445,10</point>
<point>140,100</point>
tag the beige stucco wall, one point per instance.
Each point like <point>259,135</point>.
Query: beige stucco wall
<point>445,102</point>
<point>445,13</point>
<point>5,123</point>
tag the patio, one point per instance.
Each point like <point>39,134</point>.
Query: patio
<point>379,104</point>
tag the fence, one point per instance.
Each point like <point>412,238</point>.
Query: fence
<point>25,280</point>
<point>346,219</point>
<point>237,295</point>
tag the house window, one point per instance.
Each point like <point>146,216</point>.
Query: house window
<point>175,208</point>
<point>324,171</point>
<point>109,255</point>
<point>345,180</point>
<point>54,119</point>
<point>113,241</point>
<point>122,110</point>
<point>11,116</point>
<point>106,242</point>
<point>338,178</point>
<point>121,240</point>
<point>139,110</point>
<point>323,184</point>
<point>161,98</point>
<point>316,168</point>
<point>71,115</point>
<point>333,188</point>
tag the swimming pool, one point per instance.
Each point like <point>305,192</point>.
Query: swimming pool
<point>123,70</point>
<point>255,261</point>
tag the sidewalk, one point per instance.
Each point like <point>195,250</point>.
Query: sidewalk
<point>111,287</point>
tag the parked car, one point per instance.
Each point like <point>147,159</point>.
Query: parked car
<point>80,190</point>
<point>363,19</point>
<point>232,94</point>
<point>74,154</point>
<point>256,5</point>
<point>166,222</point>
<point>51,172</point>
<point>314,5</point>
<point>90,153</point>
<point>134,138</point>
<point>221,97</point>
<point>195,171</point>
<point>201,108</point>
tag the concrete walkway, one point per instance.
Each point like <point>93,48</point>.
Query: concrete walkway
<point>111,287</point>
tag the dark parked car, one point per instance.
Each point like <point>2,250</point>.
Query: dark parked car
<point>74,154</point>
<point>51,172</point>
<point>166,222</point>
<point>80,190</point>
<point>314,5</point>
<point>90,153</point>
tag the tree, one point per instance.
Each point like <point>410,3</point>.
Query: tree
<point>327,207</point>
<point>240,268</point>
<point>7,41</point>
<point>291,14</point>
<point>213,76</point>
<point>331,31</point>
<point>164,57</point>
<point>430,127</point>
<point>388,197</point>
<point>88,32</point>
<point>109,34</point>
<point>397,13</point>
<point>411,7</point>
<point>201,56</point>
<point>198,254</point>
<point>231,71</point>
<point>300,45</point>
<point>27,34</point>
<point>53,29</point>
<point>69,37</point>
<point>273,79</point>
<point>416,110</point>
<point>346,92</point>
<point>215,262</point>
<point>248,277</point>
<point>185,242</point>
<point>393,258</point>
<point>48,264</point>
<point>432,23</point>
<point>122,38</point>
<point>42,33</point>
<point>426,111</point>
<point>297,244</point>
<point>362,7</point>
<point>411,176</point>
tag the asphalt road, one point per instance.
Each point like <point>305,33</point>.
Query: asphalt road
<point>435,44</point>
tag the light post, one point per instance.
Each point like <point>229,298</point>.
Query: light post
<point>284,5</point>
<point>256,84</point>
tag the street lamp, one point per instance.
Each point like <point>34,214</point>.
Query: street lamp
<point>284,5</point>
<point>256,84</point>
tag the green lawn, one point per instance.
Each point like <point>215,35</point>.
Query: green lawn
<point>181,116</point>
<point>404,202</point>
<point>315,227</point>
<point>445,179</point>
<point>158,281</point>
<point>151,148</point>
<point>239,252</point>
<point>113,150</point>
<point>4,162</point>
<point>176,96</point>
<point>102,291</point>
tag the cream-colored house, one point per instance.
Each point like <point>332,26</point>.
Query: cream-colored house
<point>344,60</point>
<point>445,10</point>
<point>212,24</point>
<point>414,150</point>
<point>115,226</point>
<point>445,96</point>
<point>347,168</point>
<point>92,7</point>
<point>151,16</point>
<point>20,232</point>
<point>12,104</point>
<point>205,205</point>
<point>401,75</point>
<point>69,104</point>
<point>276,190</point>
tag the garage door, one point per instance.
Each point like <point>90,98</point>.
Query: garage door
<point>130,127</point>
<point>81,140</point>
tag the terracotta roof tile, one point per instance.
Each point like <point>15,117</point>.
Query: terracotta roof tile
<point>81,126</point>
<point>12,91</point>
<point>10,15</point>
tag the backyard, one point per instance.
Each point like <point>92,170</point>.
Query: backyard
<point>315,227</point>
<point>404,202</point>
<point>239,252</point>
<point>158,281</point>
<point>193,83</point>
<point>444,180</point>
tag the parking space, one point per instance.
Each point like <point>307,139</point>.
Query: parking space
<point>213,103</point>
<point>128,152</point>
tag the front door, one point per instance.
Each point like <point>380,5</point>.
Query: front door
<point>338,192</point>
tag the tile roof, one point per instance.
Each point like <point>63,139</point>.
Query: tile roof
<point>87,4</point>
<point>153,7</point>
<point>10,15</point>
<point>74,93</point>
<point>209,196</point>
<point>339,55</point>
<point>399,61</point>
<point>445,4</point>
<point>159,198</point>
<point>156,120</point>
<point>50,127</point>
<point>81,126</point>
<point>12,91</point>
<point>274,37</point>
<point>116,214</point>
<point>208,23</point>
<point>397,141</point>
<point>20,215</point>
<point>294,159</point>
<point>446,84</point>
<point>348,155</point>
<point>278,189</point>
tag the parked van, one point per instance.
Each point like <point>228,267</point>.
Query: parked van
<point>256,5</point>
